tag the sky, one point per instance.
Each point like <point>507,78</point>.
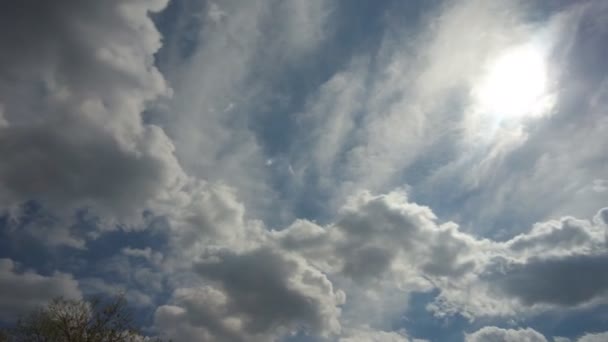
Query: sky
<point>309,170</point>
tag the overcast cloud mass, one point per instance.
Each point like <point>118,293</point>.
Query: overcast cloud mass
<point>309,170</point>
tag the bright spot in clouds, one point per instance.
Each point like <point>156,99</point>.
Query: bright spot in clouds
<point>513,85</point>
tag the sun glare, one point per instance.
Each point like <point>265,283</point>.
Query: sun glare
<point>513,86</point>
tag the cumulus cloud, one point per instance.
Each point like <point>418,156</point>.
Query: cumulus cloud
<point>387,239</point>
<point>23,290</point>
<point>75,79</point>
<point>379,249</point>
<point>598,337</point>
<point>384,234</point>
<point>490,334</point>
<point>258,295</point>
<point>421,255</point>
<point>529,274</point>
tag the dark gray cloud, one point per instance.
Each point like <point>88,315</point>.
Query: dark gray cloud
<point>67,40</point>
<point>368,262</point>
<point>44,163</point>
<point>74,80</point>
<point>567,281</point>
<point>256,295</point>
<point>257,284</point>
<point>24,290</point>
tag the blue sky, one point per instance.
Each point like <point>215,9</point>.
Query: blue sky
<point>309,170</point>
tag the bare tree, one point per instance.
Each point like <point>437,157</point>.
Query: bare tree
<point>77,321</point>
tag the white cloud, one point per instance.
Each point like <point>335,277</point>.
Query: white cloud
<point>494,334</point>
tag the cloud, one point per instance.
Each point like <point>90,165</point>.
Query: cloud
<point>31,220</point>
<point>404,111</point>
<point>554,265</point>
<point>225,88</point>
<point>386,240</point>
<point>380,250</point>
<point>384,116</point>
<point>515,177</point>
<point>145,253</point>
<point>97,286</point>
<point>567,281</point>
<point>258,295</point>
<point>378,151</point>
<point>369,335</point>
<point>490,334</point>
<point>598,337</point>
<point>75,80</point>
<point>232,277</point>
<point>77,170</point>
<point>558,236</point>
<point>379,238</point>
<point>208,215</point>
<point>23,291</point>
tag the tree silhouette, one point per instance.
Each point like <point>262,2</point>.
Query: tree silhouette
<point>64,320</point>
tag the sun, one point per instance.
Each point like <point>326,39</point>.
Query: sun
<point>513,85</point>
